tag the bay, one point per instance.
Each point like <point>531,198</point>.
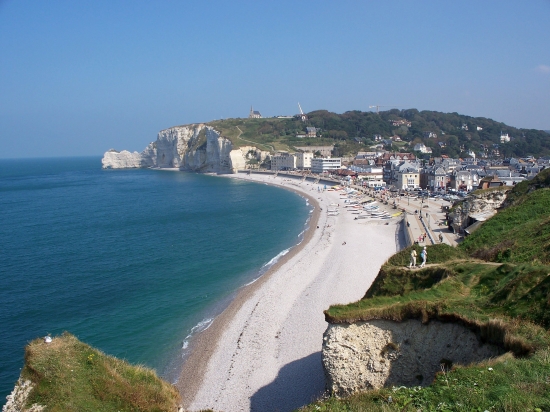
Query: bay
<point>130,261</point>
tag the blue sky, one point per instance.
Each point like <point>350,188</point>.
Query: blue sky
<point>81,77</point>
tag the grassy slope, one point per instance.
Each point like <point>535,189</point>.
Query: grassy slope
<point>507,304</point>
<point>72,376</point>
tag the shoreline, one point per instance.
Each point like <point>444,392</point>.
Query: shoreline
<point>204,344</point>
<point>263,352</point>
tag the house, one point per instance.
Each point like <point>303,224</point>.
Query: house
<point>377,137</point>
<point>428,135</point>
<point>408,178</point>
<point>504,137</point>
<point>254,114</point>
<point>478,128</point>
<point>435,178</point>
<point>463,180</point>
<point>422,148</point>
<point>311,132</point>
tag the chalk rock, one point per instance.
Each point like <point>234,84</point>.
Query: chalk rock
<point>18,398</point>
<point>196,148</point>
<point>378,353</point>
<point>121,160</point>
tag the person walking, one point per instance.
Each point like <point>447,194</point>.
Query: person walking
<point>424,256</point>
<point>413,258</point>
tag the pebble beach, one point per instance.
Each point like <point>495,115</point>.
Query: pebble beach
<point>263,353</point>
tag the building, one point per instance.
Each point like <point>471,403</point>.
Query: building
<point>321,165</point>
<point>408,178</point>
<point>303,160</point>
<point>283,161</point>
<point>422,148</point>
<point>504,137</point>
<point>254,114</point>
<point>372,179</point>
<point>463,180</point>
<point>311,132</point>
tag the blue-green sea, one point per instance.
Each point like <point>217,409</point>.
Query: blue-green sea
<point>133,262</point>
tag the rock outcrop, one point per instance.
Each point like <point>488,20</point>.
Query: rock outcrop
<point>197,148</point>
<point>378,353</point>
<point>479,205</point>
<point>17,400</point>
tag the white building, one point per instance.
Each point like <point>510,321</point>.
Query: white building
<point>504,138</point>
<point>422,148</point>
<point>372,179</point>
<point>303,160</point>
<point>283,161</point>
<point>320,165</point>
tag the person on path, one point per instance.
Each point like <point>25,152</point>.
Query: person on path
<point>413,258</point>
<point>440,238</point>
<point>424,256</point>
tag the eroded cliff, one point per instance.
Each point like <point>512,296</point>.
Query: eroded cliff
<point>195,147</point>
<point>379,353</point>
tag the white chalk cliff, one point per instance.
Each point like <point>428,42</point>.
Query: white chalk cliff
<point>378,353</point>
<point>193,147</point>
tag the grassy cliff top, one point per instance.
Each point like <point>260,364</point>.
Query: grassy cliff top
<point>497,283</point>
<point>71,376</point>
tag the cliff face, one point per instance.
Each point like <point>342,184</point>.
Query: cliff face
<point>196,148</point>
<point>479,203</point>
<point>378,353</point>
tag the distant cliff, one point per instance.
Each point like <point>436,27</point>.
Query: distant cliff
<point>195,147</point>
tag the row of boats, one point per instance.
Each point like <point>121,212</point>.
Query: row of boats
<point>358,205</point>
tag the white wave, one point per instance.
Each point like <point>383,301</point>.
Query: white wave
<point>252,281</point>
<point>276,258</point>
<point>199,327</point>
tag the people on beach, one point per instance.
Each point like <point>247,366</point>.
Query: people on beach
<point>424,256</point>
<point>413,258</point>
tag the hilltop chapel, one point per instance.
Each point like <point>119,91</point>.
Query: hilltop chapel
<point>254,114</point>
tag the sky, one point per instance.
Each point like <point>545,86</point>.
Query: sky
<point>78,78</point>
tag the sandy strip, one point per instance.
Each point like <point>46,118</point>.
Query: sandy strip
<point>263,353</point>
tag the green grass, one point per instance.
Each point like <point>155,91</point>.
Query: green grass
<point>519,233</point>
<point>496,283</point>
<point>72,376</point>
<point>503,384</point>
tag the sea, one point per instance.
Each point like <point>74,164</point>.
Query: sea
<point>132,262</point>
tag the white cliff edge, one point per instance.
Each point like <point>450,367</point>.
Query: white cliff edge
<point>196,147</point>
<point>17,400</point>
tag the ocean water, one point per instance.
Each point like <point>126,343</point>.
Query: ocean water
<point>132,262</point>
